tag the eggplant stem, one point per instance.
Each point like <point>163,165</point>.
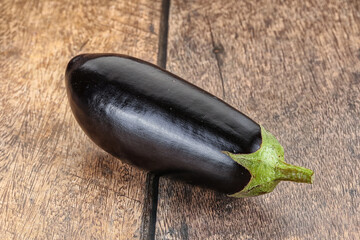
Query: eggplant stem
<point>288,172</point>
<point>267,167</point>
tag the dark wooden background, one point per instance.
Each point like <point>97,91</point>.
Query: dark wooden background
<point>293,66</point>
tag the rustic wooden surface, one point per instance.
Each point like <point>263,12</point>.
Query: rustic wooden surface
<point>293,66</point>
<point>54,182</point>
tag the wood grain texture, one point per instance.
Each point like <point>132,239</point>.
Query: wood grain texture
<point>293,66</point>
<point>54,182</point>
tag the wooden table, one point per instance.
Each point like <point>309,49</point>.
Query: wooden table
<point>293,66</point>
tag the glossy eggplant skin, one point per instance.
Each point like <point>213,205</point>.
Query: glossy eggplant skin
<point>150,118</point>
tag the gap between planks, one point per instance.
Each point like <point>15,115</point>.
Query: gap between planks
<point>152,180</point>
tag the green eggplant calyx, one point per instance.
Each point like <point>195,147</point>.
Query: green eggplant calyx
<point>267,168</point>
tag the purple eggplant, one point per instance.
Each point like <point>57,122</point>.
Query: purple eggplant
<point>154,120</point>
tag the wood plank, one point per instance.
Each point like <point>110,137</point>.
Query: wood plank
<point>54,182</point>
<point>293,66</point>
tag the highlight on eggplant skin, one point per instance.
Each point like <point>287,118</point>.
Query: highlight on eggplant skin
<point>150,118</point>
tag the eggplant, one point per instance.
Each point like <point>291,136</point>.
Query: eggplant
<point>154,120</point>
